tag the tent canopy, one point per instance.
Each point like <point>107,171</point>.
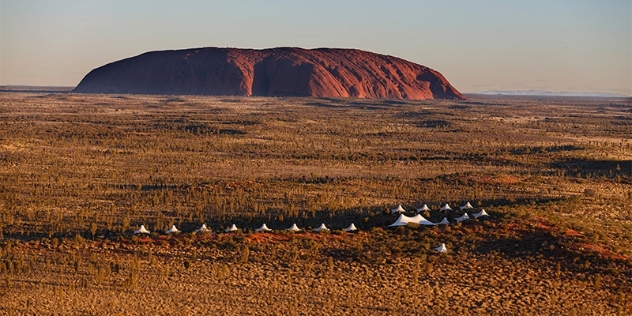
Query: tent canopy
<point>444,222</point>
<point>231,228</point>
<point>351,227</point>
<point>481,213</point>
<point>423,208</point>
<point>398,209</point>
<point>263,228</point>
<point>321,228</point>
<point>172,230</point>
<point>467,206</point>
<point>293,228</point>
<point>446,207</point>
<point>441,248</point>
<point>141,230</point>
<point>203,229</point>
<point>425,222</point>
<point>403,220</point>
<point>464,217</point>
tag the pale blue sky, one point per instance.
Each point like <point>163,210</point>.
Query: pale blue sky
<point>556,45</point>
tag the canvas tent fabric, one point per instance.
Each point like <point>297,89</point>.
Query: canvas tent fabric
<point>446,207</point>
<point>423,208</point>
<point>293,228</point>
<point>425,222</point>
<point>441,248</point>
<point>263,228</point>
<point>480,214</point>
<point>398,209</point>
<point>321,228</point>
<point>172,230</point>
<point>350,228</point>
<point>464,217</point>
<point>231,228</point>
<point>444,222</point>
<point>403,220</point>
<point>141,230</point>
<point>467,206</point>
<point>203,229</point>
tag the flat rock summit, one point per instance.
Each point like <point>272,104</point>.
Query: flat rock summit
<point>322,72</point>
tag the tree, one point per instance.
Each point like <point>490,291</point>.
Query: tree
<point>93,229</point>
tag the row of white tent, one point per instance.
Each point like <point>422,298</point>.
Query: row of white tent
<point>403,220</point>
<point>446,207</point>
<point>263,228</point>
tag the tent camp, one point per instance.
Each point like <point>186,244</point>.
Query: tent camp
<point>467,206</point>
<point>172,230</point>
<point>203,229</point>
<point>444,222</point>
<point>350,228</point>
<point>481,213</point>
<point>141,230</point>
<point>398,209</point>
<point>403,220</point>
<point>464,217</point>
<point>293,228</point>
<point>263,228</point>
<point>423,209</point>
<point>231,229</point>
<point>441,248</point>
<point>321,228</point>
<point>446,207</point>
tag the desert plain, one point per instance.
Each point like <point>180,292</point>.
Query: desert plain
<point>79,173</point>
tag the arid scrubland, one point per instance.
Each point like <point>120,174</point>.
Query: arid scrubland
<point>79,173</point>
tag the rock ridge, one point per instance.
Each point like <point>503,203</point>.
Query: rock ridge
<point>283,71</point>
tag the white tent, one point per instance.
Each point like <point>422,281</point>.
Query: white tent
<point>172,230</point>
<point>263,228</point>
<point>462,218</point>
<point>425,222</point>
<point>423,208</point>
<point>321,228</point>
<point>231,229</point>
<point>481,213</point>
<point>203,229</point>
<point>398,209</point>
<point>444,222</point>
<point>403,220</point>
<point>446,207</point>
<point>467,206</point>
<point>141,230</point>
<point>294,228</point>
<point>350,228</point>
<point>441,248</point>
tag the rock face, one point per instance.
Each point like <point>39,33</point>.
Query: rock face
<point>319,72</point>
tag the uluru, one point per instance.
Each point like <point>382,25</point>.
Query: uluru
<point>285,71</point>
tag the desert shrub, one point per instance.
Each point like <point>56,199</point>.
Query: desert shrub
<point>330,264</point>
<point>412,226</point>
<point>244,254</point>
<point>78,241</point>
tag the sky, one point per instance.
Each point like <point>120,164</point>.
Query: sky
<point>554,45</point>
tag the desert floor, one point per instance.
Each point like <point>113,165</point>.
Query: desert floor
<point>79,173</point>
